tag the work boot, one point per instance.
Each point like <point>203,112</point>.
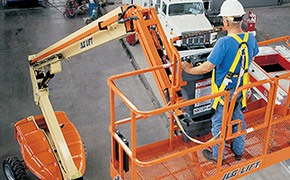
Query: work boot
<point>208,155</point>
<point>237,157</point>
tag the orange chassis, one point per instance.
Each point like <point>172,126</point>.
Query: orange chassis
<point>36,149</point>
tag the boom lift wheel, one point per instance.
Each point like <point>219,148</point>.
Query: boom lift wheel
<point>14,169</point>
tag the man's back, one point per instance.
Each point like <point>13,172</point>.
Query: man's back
<point>224,53</point>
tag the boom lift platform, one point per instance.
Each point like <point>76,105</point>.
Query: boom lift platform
<point>267,118</point>
<point>52,147</point>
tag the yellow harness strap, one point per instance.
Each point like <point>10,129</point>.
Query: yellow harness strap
<point>242,53</point>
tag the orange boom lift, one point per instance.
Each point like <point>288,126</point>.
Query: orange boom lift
<point>50,154</point>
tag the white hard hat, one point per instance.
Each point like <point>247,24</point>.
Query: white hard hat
<point>232,8</point>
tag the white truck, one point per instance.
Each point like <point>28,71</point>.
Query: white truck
<point>184,18</point>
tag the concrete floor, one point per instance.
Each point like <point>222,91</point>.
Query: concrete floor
<point>81,89</point>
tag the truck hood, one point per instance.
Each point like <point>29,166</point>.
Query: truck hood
<point>187,23</point>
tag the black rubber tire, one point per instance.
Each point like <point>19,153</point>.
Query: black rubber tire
<point>14,169</point>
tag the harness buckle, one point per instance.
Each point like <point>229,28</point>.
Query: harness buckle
<point>229,75</point>
<point>243,43</point>
<point>227,81</point>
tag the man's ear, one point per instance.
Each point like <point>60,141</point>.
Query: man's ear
<point>227,22</point>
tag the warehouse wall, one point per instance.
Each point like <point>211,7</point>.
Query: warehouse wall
<point>251,3</point>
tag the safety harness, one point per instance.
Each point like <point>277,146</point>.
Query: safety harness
<point>242,55</point>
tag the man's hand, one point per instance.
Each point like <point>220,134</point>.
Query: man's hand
<point>186,66</point>
<point>202,69</point>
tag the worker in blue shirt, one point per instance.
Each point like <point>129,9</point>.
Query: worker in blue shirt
<point>229,61</point>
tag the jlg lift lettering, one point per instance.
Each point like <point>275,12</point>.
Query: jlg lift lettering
<point>86,43</point>
<point>241,171</point>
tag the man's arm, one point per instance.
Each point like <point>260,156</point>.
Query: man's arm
<point>202,69</point>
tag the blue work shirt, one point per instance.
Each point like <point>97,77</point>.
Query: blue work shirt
<point>224,53</point>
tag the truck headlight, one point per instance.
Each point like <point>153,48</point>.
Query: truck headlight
<point>171,31</point>
<point>214,37</point>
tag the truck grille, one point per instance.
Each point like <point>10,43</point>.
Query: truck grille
<point>198,40</point>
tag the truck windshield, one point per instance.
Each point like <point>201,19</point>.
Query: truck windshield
<point>185,8</point>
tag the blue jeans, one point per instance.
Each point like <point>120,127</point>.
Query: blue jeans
<point>91,7</point>
<point>238,142</point>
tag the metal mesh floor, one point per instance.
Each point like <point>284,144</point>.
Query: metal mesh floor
<point>195,166</point>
